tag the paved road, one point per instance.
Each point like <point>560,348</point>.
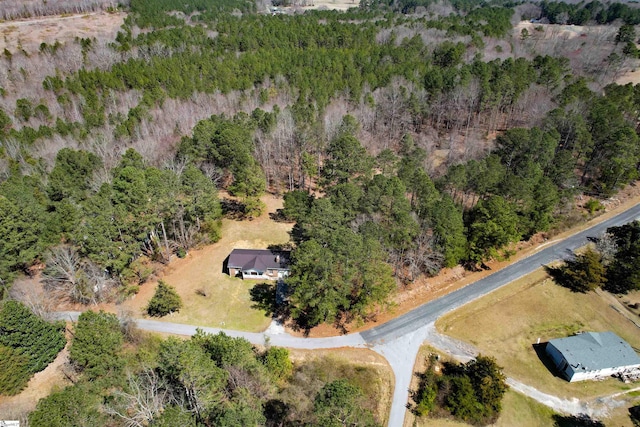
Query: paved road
<point>399,340</point>
<point>430,311</point>
<point>389,339</point>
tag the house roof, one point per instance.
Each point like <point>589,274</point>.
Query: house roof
<point>259,259</point>
<point>591,351</point>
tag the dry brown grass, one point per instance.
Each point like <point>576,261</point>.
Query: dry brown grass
<point>506,323</point>
<point>517,409</point>
<point>359,359</point>
<point>29,33</point>
<point>228,303</point>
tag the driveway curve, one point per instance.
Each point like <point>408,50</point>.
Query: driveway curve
<point>399,340</point>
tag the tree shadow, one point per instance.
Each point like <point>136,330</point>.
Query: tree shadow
<point>279,247</point>
<point>232,209</point>
<point>276,412</point>
<point>541,352</point>
<point>562,279</point>
<point>634,414</point>
<point>268,298</point>
<point>278,216</point>
<point>581,420</point>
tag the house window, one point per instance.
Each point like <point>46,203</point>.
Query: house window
<point>254,273</point>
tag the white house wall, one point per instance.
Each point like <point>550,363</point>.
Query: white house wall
<point>603,373</point>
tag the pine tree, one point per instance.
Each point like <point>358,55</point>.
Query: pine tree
<point>166,300</point>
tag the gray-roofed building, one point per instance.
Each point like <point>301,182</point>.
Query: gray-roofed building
<point>259,263</point>
<point>593,355</point>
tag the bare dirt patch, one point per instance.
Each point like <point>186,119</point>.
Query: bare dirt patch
<point>299,6</point>
<point>632,76</point>
<point>30,33</point>
<point>227,303</point>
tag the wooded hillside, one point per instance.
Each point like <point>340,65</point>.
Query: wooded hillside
<point>406,137</point>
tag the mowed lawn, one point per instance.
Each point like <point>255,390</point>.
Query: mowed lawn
<point>227,303</point>
<point>508,322</point>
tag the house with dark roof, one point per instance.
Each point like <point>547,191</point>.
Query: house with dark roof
<point>259,264</point>
<point>593,355</point>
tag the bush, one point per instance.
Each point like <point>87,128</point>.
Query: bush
<point>471,392</point>
<point>593,206</point>
<point>277,362</point>
<point>166,300</point>
<point>73,406</point>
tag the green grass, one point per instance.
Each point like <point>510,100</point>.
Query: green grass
<point>506,323</point>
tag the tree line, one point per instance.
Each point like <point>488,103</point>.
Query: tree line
<point>612,265</point>
<point>94,228</point>
<point>388,209</point>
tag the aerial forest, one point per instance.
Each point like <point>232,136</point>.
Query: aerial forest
<point>405,137</point>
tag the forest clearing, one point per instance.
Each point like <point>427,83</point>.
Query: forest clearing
<point>29,34</point>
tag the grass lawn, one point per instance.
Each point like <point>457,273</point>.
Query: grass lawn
<point>506,323</point>
<point>227,303</point>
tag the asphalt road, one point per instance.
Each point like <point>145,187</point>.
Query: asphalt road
<point>399,339</point>
<point>430,311</point>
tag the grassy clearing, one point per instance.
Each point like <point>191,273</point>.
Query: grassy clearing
<point>506,323</point>
<point>227,303</point>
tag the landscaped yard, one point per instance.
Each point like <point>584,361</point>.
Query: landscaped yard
<point>508,322</point>
<point>227,303</point>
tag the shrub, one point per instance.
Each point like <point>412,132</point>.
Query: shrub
<point>593,206</point>
<point>166,300</point>
<point>277,362</point>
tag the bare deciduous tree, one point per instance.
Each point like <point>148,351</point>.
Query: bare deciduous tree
<point>146,396</point>
<point>607,247</point>
<point>69,277</point>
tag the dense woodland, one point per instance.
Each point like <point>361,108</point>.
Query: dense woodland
<point>404,136</point>
<point>399,145</point>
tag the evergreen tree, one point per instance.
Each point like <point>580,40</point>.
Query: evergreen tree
<point>165,301</point>
<point>96,346</point>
